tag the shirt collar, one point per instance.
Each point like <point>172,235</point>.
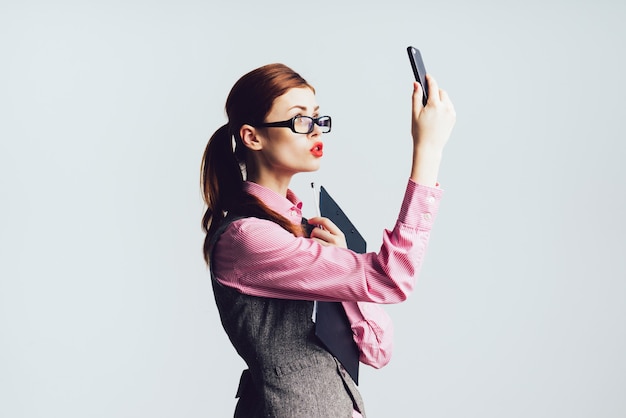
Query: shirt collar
<point>290,207</point>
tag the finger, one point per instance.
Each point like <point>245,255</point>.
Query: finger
<point>325,237</point>
<point>445,99</point>
<point>328,232</point>
<point>432,87</point>
<point>326,224</point>
<point>324,243</point>
<point>418,93</point>
<point>319,234</point>
<point>443,96</point>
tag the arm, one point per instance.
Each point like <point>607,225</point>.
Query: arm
<point>373,332</point>
<point>259,258</point>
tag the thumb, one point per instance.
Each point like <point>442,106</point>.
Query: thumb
<point>417,98</point>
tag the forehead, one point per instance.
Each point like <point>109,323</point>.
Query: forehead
<point>294,97</point>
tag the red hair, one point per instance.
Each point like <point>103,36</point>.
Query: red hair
<point>221,175</point>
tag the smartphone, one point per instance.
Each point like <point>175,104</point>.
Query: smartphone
<point>418,70</point>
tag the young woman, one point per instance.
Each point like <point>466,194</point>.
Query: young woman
<point>267,271</point>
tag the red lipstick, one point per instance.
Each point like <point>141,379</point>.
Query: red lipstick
<point>317,149</point>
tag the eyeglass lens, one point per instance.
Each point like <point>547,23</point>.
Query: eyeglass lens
<point>304,124</point>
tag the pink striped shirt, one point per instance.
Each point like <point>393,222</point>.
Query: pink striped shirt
<point>259,258</point>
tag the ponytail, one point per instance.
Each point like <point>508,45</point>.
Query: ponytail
<point>221,182</point>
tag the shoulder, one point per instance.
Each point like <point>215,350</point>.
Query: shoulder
<point>255,235</point>
<point>251,225</point>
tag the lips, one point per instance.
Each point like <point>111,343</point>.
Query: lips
<point>317,149</point>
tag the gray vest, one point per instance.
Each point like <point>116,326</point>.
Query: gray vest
<point>290,373</point>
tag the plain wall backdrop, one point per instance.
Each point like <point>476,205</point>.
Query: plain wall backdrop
<point>106,107</point>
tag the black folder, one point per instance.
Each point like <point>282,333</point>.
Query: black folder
<point>331,324</point>
<point>331,210</point>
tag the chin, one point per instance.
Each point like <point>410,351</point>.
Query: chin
<point>307,166</point>
<point>314,167</point>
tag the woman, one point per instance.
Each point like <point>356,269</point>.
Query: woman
<point>268,270</point>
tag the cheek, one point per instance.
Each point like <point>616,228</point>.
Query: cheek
<point>282,151</point>
<point>290,147</point>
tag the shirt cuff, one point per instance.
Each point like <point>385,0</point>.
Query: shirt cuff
<point>420,205</point>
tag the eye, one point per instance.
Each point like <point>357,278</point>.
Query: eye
<point>301,121</point>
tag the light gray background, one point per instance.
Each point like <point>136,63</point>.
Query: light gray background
<point>105,109</point>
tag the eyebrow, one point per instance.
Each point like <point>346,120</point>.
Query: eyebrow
<point>315,109</point>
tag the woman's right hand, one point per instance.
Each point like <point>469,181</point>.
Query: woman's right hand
<point>431,127</point>
<point>327,233</point>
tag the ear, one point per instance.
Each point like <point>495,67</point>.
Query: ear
<point>250,138</point>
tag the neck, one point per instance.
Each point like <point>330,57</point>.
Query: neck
<point>279,184</point>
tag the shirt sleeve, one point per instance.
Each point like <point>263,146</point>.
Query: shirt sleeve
<point>258,257</point>
<point>372,331</point>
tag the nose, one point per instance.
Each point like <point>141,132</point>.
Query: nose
<point>317,131</point>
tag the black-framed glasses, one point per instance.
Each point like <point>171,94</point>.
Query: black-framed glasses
<point>301,124</point>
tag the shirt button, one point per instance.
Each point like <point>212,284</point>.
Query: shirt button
<point>427,216</point>
<point>431,199</point>
<point>293,212</point>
